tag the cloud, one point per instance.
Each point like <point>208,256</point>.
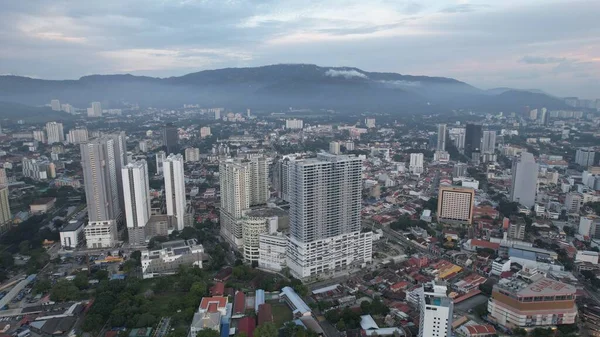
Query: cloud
<point>344,73</point>
<point>463,8</point>
<point>542,60</point>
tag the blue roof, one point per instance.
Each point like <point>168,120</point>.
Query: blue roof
<point>260,299</point>
<point>225,330</point>
<point>296,301</point>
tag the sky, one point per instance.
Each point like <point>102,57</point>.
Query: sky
<point>551,45</point>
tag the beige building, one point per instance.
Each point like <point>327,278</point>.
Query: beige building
<point>101,234</point>
<point>455,204</point>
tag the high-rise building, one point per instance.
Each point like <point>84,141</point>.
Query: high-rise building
<point>175,188</point>
<point>441,138</point>
<point>416,163</point>
<point>205,132</point>
<point>192,154</point>
<point>585,157</point>
<point>55,105</point>
<point>334,147</point>
<point>457,135</point>
<point>55,132</point>
<point>455,204</point>
<point>160,158</point>
<point>281,176</point>
<point>143,145</point>
<point>488,142</point>
<point>524,180</point>
<point>170,138</point>
<point>120,141</point>
<point>77,136</point>
<point>436,310</point>
<point>39,135</point>
<point>542,117</point>
<point>136,193</point>
<point>5,215</point>
<point>325,205</point>
<point>100,178</point>
<point>294,124</point>
<point>459,170</point>
<point>244,183</point>
<point>473,136</point>
<point>516,229</point>
<point>96,110</point>
<point>573,202</point>
<point>370,122</point>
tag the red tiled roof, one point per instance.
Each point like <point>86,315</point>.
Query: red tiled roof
<point>264,313</point>
<point>481,329</point>
<point>247,325</point>
<point>484,244</point>
<point>218,289</point>
<point>219,301</point>
<point>239,303</point>
<point>399,285</point>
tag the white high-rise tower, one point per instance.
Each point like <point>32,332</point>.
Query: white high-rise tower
<point>55,132</point>
<point>441,138</point>
<point>524,180</point>
<point>325,205</point>
<point>175,188</point>
<point>416,163</point>
<point>136,193</point>
<point>436,311</point>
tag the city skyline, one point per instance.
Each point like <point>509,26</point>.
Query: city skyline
<point>542,48</point>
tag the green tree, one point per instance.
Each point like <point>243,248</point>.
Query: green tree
<point>24,247</point>
<point>211,333</point>
<point>198,289</point>
<point>81,280</point>
<point>64,290</point>
<point>266,330</point>
<point>520,332</point>
<point>41,286</point>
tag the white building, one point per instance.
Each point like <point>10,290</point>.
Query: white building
<point>272,250</point>
<point>457,135</point>
<point>370,122</point>
<point>192,154</point>
<point>585,157</point>
<point>205,132</point>
<point>441,138</point>
<point>5,214</point>
<point>175,188</point>
<point>334,147</point>
<point>436,310</point>
<point>136,193</point>
<point>72,235</point>
<point>416,163</point>
<point>160,158</point>
<point>143,145</point>
<point>294,124</point>
<point>488,142</point>
<point>500,266</point>
<point>55,132</point>
<point>95,110</point>
<point>325,205</point>
<point>39,135</point>
<point>524,180</point>
<point>259,221</point>
<point>573,201</point>
<point>587,256</point>
<point>77,136</point>
<point>55,105</point>
<point>101,234</point>
<point>171,255</point>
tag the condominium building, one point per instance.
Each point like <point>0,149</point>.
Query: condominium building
<point>77,136</point>
<point>573,201</point>
<point>192,154</point>
<point>272,250</point>
<point>457,136</point>
<point>416,163</point>
<point>170,138</point>
<point>473,135</point>
<point>55,105</point>
<point>55,132</point>
<point>175,188</point>
<point>39,135</point>
<point>5,214</point>
<point>137,200</point>
<point>334,147</point>
<point>585,157</point>
<point>244,183</point>
<point>370,122</point>
<point>101,234</point>
<point>540,301</point>
<point>205,132</point>
<point>325,205</point>
<point>259,221</point>
<point>294,124</point>
<point>488,141</point>
<point>35,169</point>
<point>524,180</point>
<point>516,229</point>
<point>455,204</point>
<point>436,310</point>
<point>95,110</point>
<point>441,138</point>
<point>160,158</point>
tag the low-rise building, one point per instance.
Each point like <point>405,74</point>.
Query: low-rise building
<point>72,235</point>
<point>166,261</point>
<point>101,234</point>
<point>209,314</point>
<point>42,205</point>
<point>587,256</point>
<point>272,251</point>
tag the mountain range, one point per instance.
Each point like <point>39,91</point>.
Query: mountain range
<point>278,87</point>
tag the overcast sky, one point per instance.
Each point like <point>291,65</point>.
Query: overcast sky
<point>542,44</point>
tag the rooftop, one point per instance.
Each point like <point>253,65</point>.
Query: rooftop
<point>266,212</point>
<point>541,287</point>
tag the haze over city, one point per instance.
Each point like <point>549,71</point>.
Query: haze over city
<point>552,46</point>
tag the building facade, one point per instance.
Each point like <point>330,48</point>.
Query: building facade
<point>101,234</point>
<point>192,154</point>
<point>585,157</point>
<point>524,180</point>
<point>136,193</point>
<point>55,132</point>
<point>170,138</point>
<point>416,163</point>
<point>455,204</point>
<point>175,188</point>
<point>441,137</point>
<point>436,310</point>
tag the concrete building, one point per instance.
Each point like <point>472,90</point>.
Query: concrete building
<point>170,138</point>
<point>101,234</point>
<point>40,136</point>
<point>524,180</point>
<point>34,169</point>
<point>334,147</point>
<point>455,204</point>
<point>96,110</point>
<point>459,170</point>
<point>101,182</point>
<point>441,137</point>
<point>325,205</point>
<point>175,188</point>
<point>209,315</point>
<point>205,132</point>
<point>77,136</point>
<point>573,201</point>
<point>499,266</point>
<point>137,200</point>
<point>160,158</point>
<point>260,221</point>
<point>55,105</point>
<point>585,157</point>
<point>457,136</point>
<point>488,142</point>
<point>272,249</point>
<point>473,135</point>
<point>5,214</point>
<point>192,154</point>
<point>55,132</point>
<point>436,310</point>
<point>543,302</point>
<point>416,163</point>
<point>587,256</point>
<point>370,122</point>
<point>72,235</point>
<point>171,255</point>
<point>294,124</point>
<point>516,229</point>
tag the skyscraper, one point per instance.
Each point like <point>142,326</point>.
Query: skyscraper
<point>5,215</point>
<point>436,311</point>
<point>55,105</point>
<point>55,132</point>
<point>325,205</point>
<point>136,193</point>
<point>244,183</point>
<point>441,138</point>
<point>170,138</point>
<point>524,180</point>
<point>100,179</point>
<point>160,158</point>
<point>585,157</point>
<point>97,109</point>
<point>77,136</point>
<point>457,135</point>
<point>175,188</point>
<point>416,163</point>
<point>473,136</point>
<point>488,141</point>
